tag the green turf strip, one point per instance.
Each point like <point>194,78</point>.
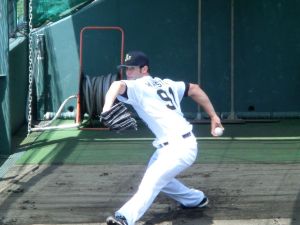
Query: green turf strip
<point>74,146</point>
<point>76,151</point>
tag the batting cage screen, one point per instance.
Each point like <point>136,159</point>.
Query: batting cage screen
<point>53,10</point>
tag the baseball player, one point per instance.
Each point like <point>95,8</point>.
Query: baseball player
<point>157,102</point>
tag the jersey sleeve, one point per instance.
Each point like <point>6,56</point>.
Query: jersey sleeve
<point>132,93</point>
<point>181,88</point>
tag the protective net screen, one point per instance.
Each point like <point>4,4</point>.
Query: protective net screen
<point>52,10</point>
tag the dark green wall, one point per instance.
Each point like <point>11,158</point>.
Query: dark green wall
<point>18,79</point>
<point>168,34</point>
<point>267,55</point>
<point>266,48</point>
<point>5,137</point>
<point>215,54</point>
<point>13,94</point>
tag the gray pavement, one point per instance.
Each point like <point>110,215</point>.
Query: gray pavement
<point>240,194</point>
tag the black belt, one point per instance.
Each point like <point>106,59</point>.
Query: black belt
<point>183,136</point>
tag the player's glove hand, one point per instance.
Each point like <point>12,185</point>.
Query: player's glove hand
<point>118,118</point>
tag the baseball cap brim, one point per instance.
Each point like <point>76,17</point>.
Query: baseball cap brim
<point>126,66</point>
<point>122,66</point>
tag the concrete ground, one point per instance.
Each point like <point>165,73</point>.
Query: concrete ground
<point>241,194</point>
<point>81,178</point>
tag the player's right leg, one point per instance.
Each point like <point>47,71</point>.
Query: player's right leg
<point>187,197</point>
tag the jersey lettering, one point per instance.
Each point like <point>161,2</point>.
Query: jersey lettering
<point>165,96</point>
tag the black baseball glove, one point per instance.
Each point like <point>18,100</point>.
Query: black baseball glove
<point>118,118</point>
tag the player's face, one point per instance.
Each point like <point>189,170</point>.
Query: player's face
<point>133,72</point>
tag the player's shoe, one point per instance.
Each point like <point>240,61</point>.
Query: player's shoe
<point>118,220</point>
<point>202,204</point>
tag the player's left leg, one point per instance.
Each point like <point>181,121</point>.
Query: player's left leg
<point>171,160</point>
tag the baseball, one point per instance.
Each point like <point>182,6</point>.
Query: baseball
<point>218,131</point>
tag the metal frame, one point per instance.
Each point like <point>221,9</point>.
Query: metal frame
<point>84,29</point>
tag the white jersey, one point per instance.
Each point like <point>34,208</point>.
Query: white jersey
<point>157,102</point>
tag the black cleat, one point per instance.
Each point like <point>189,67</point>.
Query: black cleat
<point>202,204</point>
<point>118,220</point>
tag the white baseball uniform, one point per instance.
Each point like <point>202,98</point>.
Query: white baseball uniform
<point>157,102</point>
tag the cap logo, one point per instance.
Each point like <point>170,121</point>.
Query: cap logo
<point>127,58</point>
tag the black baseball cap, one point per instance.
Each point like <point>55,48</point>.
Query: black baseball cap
<point>135,58</point>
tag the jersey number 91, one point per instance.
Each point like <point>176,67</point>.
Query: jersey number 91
<point>168,97</point>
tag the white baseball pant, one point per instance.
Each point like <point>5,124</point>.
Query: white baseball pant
<point>165,164</point>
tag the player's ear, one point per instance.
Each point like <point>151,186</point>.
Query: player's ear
<point>145,69</point>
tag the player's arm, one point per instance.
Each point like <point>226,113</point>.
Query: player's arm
<point>116,88</point>
<point>201,98</point>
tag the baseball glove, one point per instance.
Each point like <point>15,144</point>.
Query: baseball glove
<point>118,118</point>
